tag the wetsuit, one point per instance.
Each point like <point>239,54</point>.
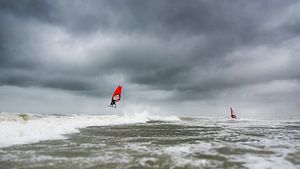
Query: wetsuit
<point>113,103</point>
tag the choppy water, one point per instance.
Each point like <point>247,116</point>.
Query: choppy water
<point>143,141</point>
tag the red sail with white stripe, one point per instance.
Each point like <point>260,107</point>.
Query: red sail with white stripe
<point>117,94</point>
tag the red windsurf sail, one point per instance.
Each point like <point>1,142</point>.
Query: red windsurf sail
<point>117,94</point>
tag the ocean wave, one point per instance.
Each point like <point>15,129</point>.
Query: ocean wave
<point>23,128</point>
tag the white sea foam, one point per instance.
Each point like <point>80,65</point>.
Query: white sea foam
<point>265,162</point>
<point>15,129</point>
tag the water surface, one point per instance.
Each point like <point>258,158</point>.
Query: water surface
<point>154,143</point>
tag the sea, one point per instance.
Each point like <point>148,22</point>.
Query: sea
<point>137,141</point>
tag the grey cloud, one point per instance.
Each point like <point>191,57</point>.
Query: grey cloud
<point>28,9</point>
<point>194,50</point>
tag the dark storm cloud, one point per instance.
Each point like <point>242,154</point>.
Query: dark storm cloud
<point>133,16</point>
<point>27,9</point>
<point>193,49</point>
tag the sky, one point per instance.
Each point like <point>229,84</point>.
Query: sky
<point>187,58</point>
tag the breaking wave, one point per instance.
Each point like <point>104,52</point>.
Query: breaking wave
<point>23,128</point>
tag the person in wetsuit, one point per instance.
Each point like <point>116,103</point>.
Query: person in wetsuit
<point>233,116</point>
<point>113,103</point>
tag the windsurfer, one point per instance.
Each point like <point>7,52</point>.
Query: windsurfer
<point>232,114</point>
<point>116,97</point>
<point>113,103</point>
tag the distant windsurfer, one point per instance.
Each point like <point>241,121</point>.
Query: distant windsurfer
<point>233,116</point>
